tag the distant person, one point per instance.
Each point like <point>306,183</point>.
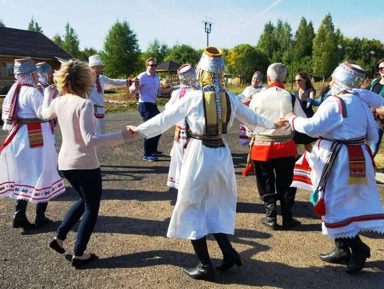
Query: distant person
<point>339,170</point>
<point>324,93</point>
<point>97,94</point>
<point>245,134</point>
<point>147,84</point>
<point>188,82</point>
<point>304,92</point>
<point>77,158</point>
<point>206,202</point>
<point>28,158</point>
<point>378,87</point>
<point>273,151</point>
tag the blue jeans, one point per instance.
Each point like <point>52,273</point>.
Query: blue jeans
<point>147,111</point>
<point>375,147</point>
<point>87,184</point>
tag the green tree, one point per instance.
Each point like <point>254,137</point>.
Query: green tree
<point>243,60</point>
<point>2,23</point>
<point>325,51</point>
<point>57,40</point>
<point>267,41</point>
<point>157,50</point>
<point>183,54</point>
<point>71,41</point>
<point>121,51</point>
<point>86,52</point>
<point>34,26</point>
<point>304,39</point>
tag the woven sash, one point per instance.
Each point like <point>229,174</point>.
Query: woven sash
<point>35,135</point>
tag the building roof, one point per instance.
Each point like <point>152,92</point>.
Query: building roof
<point>16,42</point>
<point>168,66</point>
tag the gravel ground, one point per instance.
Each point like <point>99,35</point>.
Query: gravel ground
<point>130,235</point>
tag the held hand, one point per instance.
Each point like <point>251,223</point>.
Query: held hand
<point>132,128</point>
<point>288,116</point>
<point>51,91</point>
<point>246,101</point>
<point>127,133</point>
<point>280,122</point>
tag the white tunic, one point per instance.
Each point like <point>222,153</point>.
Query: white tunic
<point>98,99</point>
<point>207,190</point>
<point>177,151</point>
<point>30,173</point>
<point>350,208</point>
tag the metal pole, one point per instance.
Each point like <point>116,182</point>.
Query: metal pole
<point>207,29</point>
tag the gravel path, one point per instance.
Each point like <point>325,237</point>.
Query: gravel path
<point>135,253</point>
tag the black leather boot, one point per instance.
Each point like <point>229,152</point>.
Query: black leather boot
<point>204,270</point>
<point>360,253</point>
<point>271,215</point>
<point>340,255</point>
<point>41,219</point>
<point>20,218</point>
<point>230,256</point>
<point>288,221</point>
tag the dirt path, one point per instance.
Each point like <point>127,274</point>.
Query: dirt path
<point>134,252</point>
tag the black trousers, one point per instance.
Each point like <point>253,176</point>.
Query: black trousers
<point>274,178</point>
<point>147,111</point>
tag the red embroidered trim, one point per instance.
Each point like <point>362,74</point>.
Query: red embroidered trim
<point>354,219</point>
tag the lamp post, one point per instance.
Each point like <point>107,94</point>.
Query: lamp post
<point>207,29</point>
<point>339,47</point>
<point>372,53</point>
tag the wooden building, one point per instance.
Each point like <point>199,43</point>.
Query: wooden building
<point>16,43</point>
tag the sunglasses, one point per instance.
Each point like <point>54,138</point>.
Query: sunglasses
<point>152,65</point>
<point>298,80</point>
<point>381,69</point>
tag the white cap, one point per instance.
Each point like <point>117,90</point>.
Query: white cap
<point>95,60</point>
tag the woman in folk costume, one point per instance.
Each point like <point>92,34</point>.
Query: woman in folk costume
<point>340,169</point>
<point>44,72</point>
<point>188,82</point>
<point>207,189</point>
<point>28,159</point>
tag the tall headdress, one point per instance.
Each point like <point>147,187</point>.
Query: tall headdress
<point>23,70</point>
<point>43,71</point>
<point>187,76</point>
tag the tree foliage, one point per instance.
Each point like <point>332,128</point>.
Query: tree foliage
<point>86,52</point>
<point>183,54</point>
<point>157,50</point>
<point>2,23</point>
<point>325,51</point>
<point>267,41</point>
<point>121,51</point>
<point>304,39</point>
<point>70,41</point>
<point>243,60</point>
<point>34,26</point>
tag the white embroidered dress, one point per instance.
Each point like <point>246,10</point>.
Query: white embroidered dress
<point>207,190</point>
<point>350,208</point>
<point>177,152</point>
<point>29,173</point>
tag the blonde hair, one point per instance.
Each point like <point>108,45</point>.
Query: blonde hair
<point>75,77</point>
<point>150,59</point>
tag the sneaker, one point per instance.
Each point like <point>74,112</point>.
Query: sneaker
<point>157,153</point>
<point>150,158</point>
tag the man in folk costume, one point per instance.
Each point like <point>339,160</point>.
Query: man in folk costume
<point>245,134</point>
<point>273,151</point>
<point>188,82</point>
<point>28,158</point>
<point>340,169</point>
<point>207,189</point>
<point>97,94</point>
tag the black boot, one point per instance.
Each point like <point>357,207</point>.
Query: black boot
<point>360,253</point>
<point>41,219</point>
<point>270,212</point>
<point>204,270</point>
<point>288,221</point>
<point>340,255</point>
<point>230,256</point>
<point>20,218</point>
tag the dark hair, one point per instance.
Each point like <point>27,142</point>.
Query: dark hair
<point>308,82</point>
<point>378,63</point>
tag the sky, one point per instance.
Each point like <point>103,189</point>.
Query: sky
<point>181,21</point>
